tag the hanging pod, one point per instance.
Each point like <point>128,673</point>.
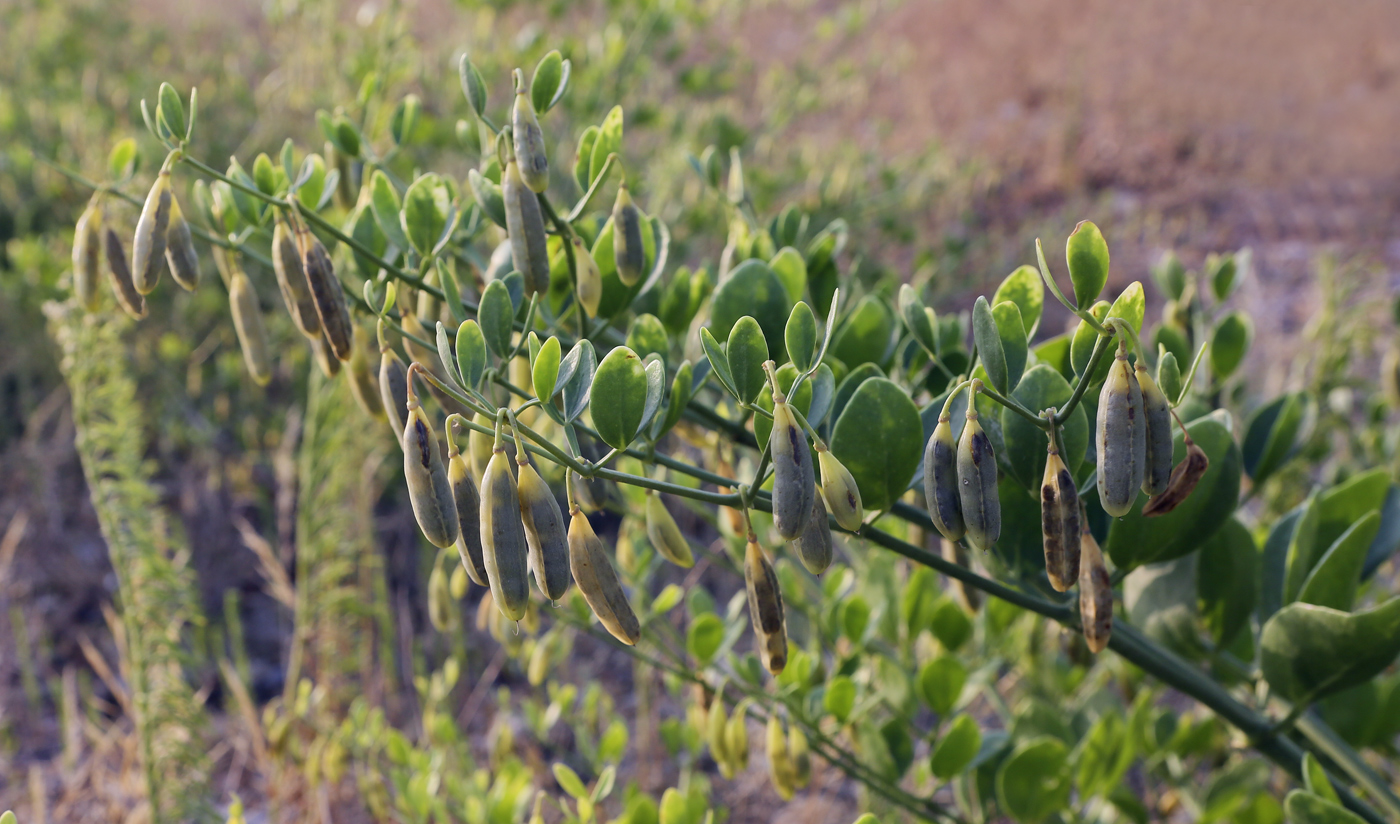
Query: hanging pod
<point>801,756</point>
<point>1059,522</point>
<point>325,357</point>
<point>468,503</point>
<point>1122,438</point>
<point>1095,593</point>
<point>941,481</point>
<point>794,484</point>
<point>428,489</point>
<point>628,251</point>
<point>1157,415</point>
<point>326,292</point>
<point>781,770</point>
<point>87,257</point>
<point>441,612</point>
<point>525,226</point>
<point>529,139</point>
<point>503,537</point>
<point>393,389</point>
<point>977,484</point>
<point>716,724</point>
<point>814,544</point>
<point>590,278</point>
<point>664,534</point>
<point>544,531</point>
<point>248,323</point>
<point>180,253</point>
<point>765,607</point>
<point>1183,480</point>
<point>362,383</point>
<point>840,490</point>
<point>291,281</point>
<point>597,580</point>
<point>968,595</point>
<point>736,736</point>
<point>148,247</point>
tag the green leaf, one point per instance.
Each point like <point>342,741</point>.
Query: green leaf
<point>1272,434</point>
<point>1012,332</point>
<point>955,750</point>
<point>121,163</point>
<point>1316,780</point>
<point>855,618</point>
<point>1174,341</point>
<point>583,156</point>
<point>364,229</point>
<point>1307,808</point>
<point>488,196</point>
<point>682,389</point>
<point>1024,288</point>
<point>1131,306</point>
<point>497,316</point>
<point>569,781</point>
<point>264,175</point>
<point>1227,576</point>
<point>941,683</point>
<point>950,624</point>
<point>989,346</point>
<point>1102,756</point>
<point>1160,599</point>
<point>791,269</point>
<point>425,208</point>
<point>1308,651</point>
<point>719,363</point>
<point>656,388</point>
<point>900,745</point>
<point>1231,788</point>
<point>384,201</point>
<point>823,384</point>
<point>471,353</point>
<point>1081,347</point>
<point>311,181</point>
<point>866,335</point>
<point>1220,271</point>
<point>647,336</point>
<point>800,336</point>
<point>1169,376</point>
<point>1055,354</point>
<point>609,140</point>
<point>703,638</point>
<point>840,698</point>
<point>921,321</point>
<point>171,112</point>
<point>1033,783</point>
<point>404,119</point>
<point>751,289</point>
<point>1340,506</point>
<point>473,87</point>
<point>1086,252</point>
<point>547,81</point>
<point>879,438</point>
<point>576,373</point>
<point>1334,580</point>
<point>544,371</point>
<point>1229,343</point>
<point>746,352</point>
<point>1025,453</point>
<point>619,397</point>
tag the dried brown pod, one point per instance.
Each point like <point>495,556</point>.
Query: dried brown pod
<point>1059,521</point>
<point>1095,594</point>
<point>291,281</point>
<point>544,531</point>
<point>131,301</point>
<point>765,606</point>
<point>87,257</point>
<point>248,323</point>
<point>814,544</point>
<point>1184,478</point>
<point>327,293</point>
<point>148,247</point>
<point>180,253</point>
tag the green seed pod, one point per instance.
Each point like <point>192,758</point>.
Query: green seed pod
<point>794,484</point>
<point>544,532</point>
<point>598,582</point>
<point>525,226</point>
<point>428,489</point>
<point>977,484</point>
<point>665,535</point>
<point>736,736</point>
<point>628,251</point>
<point>180,253</point>
<point>1157,415</point>
<point>132,301</point>
<point>800,755</point>
<point>1122,438</point>
<point>1059,522</point>
<point>362,383</point>
<point>941,482</point>
<point>780,767</point>
<point>87,257</point>
<point>717,722</point>
<point>457,583</point>
<point>148,249</point>
<point>291,281</point>
<point>325,357</point>
<point>1184,478</point>
<point>1095,594</point>
<point>248,323</point>
<point>440,611</point>
<point>840,491</point>
<point>326,292</point>
<point>393,390</point>
<point>814,545</point>
<point>468,502</point>
<point>590,278</point>
<point>529,139</point>
<point>503,537</point>
<point>765,607</point>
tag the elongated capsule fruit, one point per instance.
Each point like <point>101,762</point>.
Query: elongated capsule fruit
<point>814,545</point>
<point>598,582</point>
<point>544,532</point>
<point>1059,523</point>
<point>529,140</point>
<point>481,444</point>
<point>736,736</point>
<point>291,281</point>
<point>326,292</point>
<point>1095,594</point>
<point>970,596</point>
<point>977,485</point>
<point>628,252</point>
<point>428,488</point>
<point>87,257</point>
<point>362,383</point>
<point>325,357</point>
<point>1122,438</point>
<point>429,307</point>
<point>440,608</point>
<point>1157,417</point>
<point>794,484</point>
<point>840,491</point>
<point>457,584</point>
<point>180,253</point>
<point>393,390</point>
<point>941,482</point>
<point>525,225</point>
<point>248,323</point>
<point>148,247</point>
<point>590,278</point>
<point>765,607</point>
<point>1184,478</point>
<point>665,535</point>
<point>503,537</point>
<point>468,503</point>
<point>717,721</point>
<point>780,767</point>
<point>801,756</point>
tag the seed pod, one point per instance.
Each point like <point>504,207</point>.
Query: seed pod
<point>291,281</point>
<point>800,755</point>
<point>765,607</point>
<point>814,545</point>
<point>794,484</point>
<point>468,502</point>
<point>529,140</point>
<point>970,596</point>
<point>440,611</point>
<point>628,252</point>
<point>1157,417</point>
<point>429,307</point>
<point>87,257</point>
<point>326,292</point>
<point>148,249</point>
<point>736,736</point>
<point>393,389</point>
<point>428,489</point>
<point>362,383</point>
<point>1095,594</point>
<point>598,582</point>
<point>780,767</point>
<point>325,357</point>
<point>941,482</point>
<point>1184,478</point>
<point>544,532</point>
<point>180,254</point>
<point>458,581</point>
<point>480,444</point>
<point>840,491</point>
<point>248,323</point>
<point>1059,522</point>
<point>525,225</point>
<point>1122,438</point>
<point>665,535</point>
<point>717,723</point>
<point>590,278</point>
<point>977,485</point>
<point>503,537</point>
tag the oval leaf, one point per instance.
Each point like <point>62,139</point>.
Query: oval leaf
<point>751,289</point>
<point>619,397</point>
<point>1086,252</point>
<point>989,348</point>
<point>1024,288</point>
<point>879,439</point>
<point>471,353</point>
<point>497,316</point>
<point>1308,651</point>
<point>746,352</point>
<point>800,335</point>
<point>1013,341</point>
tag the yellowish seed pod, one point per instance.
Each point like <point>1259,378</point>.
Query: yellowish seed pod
<point>538,666</point>
<point>840,490</point>
<point>131,301</point>
<point>148,247</point>
<point>590,278</point>
<point>736,736</point>
<point>717,723</point>
<point>1184,478</point>
<point>628,252</point>
<point>781,770</point>
<point>1095,594</point>
<point>423,355</point>
<point>480,444</point>
<point>1059,522</point>
<point>525,226</point>
<point>1122,438</point>
<point>180,253</point>
<point>429,307</point>
<point>468,502</point>
<point>457,583</point>
<point>87,257</point>
<point>428,488</point>
<point>800,755</point>
<point>665,535</point>
<point>814,545</point>
<point>529,139</point>
<point>794,483</point>
<point>325,357</point>
<point>326,292</point>
<point>969,596</point>
<point>941,482</point>
<point>291,281</point>
<point>248,323</point>
<point>441,612</point>
<point>362,382</point>
<point>393,390</point>
<point>1157,418</point>
<point>765,607</point>
<point>598,581</point>
<point>544,532</point>
<point>503,537</point>
<point>977,485</point>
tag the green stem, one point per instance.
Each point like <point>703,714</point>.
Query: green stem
<point>1012,405</point>
<point>1100,346</point>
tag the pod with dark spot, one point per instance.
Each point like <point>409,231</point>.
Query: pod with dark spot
<point>468,503</point>
<point>529,139</point>
<point>362,383</point>
<point>941,482</point>
<point>977,484</point>
<point>291,281</point>
<point>1095,594</point>
<point>87,257</point>
<point>544,532</point>
<point>428,488</point>
<point>325,357</point>
<point>248,323</point>
<point>1059,522</point>
<point>148,247</point>
<point>801,756</point>
<point>794,483</point>
<point>1184,478</point>
<point>1121,438</point>
<point>503,537</point>
<point>765,607</point>
<point>598,582</point>
<point>590,278</point>
<point>814,545</point>
<point>840,491</point>
<point>326,292</point>
<point>628,252</point>
<point>393,389</point>
<point>665,535</point>
<point>525,226</point>
<point>1157,416</point>
<point>180,253</point>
